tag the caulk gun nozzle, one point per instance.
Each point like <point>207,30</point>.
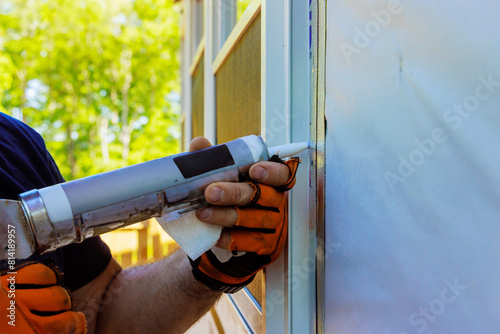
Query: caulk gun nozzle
<point>288,150</point>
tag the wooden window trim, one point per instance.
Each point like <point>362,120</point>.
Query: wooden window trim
<point>239,29</point>
<point>197,56</point>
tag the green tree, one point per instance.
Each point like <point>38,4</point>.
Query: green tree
<point>99,80</point>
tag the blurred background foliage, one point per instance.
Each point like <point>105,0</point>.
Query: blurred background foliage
<point>99,80</point>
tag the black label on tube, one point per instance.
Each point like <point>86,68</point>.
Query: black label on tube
<point>202,162</point>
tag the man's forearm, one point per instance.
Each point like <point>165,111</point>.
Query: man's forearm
<point>160,297</point>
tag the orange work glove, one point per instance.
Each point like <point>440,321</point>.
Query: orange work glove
<point>260,231</point>
<point>32,301</point>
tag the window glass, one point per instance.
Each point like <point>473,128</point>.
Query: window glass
<point>226,15</point>
<point>197,20</point>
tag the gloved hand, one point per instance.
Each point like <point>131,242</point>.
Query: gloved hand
<point>34,302</point>
<point>255,217</point>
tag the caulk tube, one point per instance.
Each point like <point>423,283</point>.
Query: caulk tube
<point>72,211</point>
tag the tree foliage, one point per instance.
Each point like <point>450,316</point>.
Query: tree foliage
<point>98,79</point>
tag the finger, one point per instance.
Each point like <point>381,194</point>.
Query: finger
<point>270,173</point>
<point>66,322</point>
<point>52,299</point>
<point>256,242</point>
<point>244,217</point>
<point>229,193</point>
<point>34,274</point>
<point>258,219</point>
<point>223,216</point>
<point>224,240</point>
<point>199,143</point>
<point>266,196</point>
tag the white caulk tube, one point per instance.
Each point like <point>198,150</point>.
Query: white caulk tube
<point>73,211</point>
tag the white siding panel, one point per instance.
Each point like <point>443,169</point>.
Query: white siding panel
<point>413,156</point>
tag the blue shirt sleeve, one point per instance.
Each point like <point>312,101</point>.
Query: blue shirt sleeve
<point>26,164</point>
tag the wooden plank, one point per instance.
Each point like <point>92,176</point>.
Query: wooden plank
<point>157,247</point>
<point>197,56</point>
<point>126,259</point>
<point>142,251</point>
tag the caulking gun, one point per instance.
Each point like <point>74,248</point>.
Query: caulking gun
<point>46,219</point>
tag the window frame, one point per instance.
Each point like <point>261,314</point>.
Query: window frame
<point>292,95</point>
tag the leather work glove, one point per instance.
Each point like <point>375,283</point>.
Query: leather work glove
<point>260,230</point>
<point>32,301</point>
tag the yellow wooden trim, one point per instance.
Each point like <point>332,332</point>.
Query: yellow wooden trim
<point>239,29</point>
<point>197,56</point>
<point>216,320</point>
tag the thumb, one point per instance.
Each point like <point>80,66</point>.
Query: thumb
<point>199,143</point>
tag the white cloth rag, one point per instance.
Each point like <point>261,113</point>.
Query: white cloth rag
<point>194,236</point>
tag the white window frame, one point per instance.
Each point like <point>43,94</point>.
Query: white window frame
<point>292,96</point>
<point>275,129</point>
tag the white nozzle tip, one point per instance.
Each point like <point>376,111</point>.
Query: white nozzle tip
<point>288,150</point>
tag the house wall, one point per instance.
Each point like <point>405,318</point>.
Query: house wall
<point>412,177</point>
